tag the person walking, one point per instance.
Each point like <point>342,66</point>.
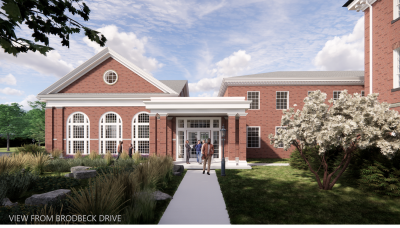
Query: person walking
<point>198,151</point>
<point>207,152</point>
<point>130,150</point>
<point>188,148</point>
<point>119,149</point>
<point>202,145</point>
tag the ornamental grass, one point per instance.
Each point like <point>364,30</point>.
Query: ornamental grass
<point>78,154</point>
<point>57,153</point>
<point>124,156</point>
<point>108,157</point>
<point>38,162</point>
<point>93,155</point>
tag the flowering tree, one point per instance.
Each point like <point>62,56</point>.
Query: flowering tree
<point>350,122</point>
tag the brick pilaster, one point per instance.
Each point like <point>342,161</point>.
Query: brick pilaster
<point>231,137</point>
<point>153,133</point>
<point>162,135</point>
<point>169,136</point>
<point>49,128</point>
<point>242,136</point>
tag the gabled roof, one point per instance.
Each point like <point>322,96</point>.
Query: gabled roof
<point>176,85</point>
<point>95,61</point>
<point>295,78</point>
<point>347,3</point>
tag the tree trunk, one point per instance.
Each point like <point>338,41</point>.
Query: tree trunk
<point>8,142</point>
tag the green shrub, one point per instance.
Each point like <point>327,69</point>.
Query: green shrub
<point>20,209</point>
<point>297,162</point>
<point>17,183</point>
<point>31,148</point>
<point>51,183</point>
<point>142,210</point>
<point>3,191</point>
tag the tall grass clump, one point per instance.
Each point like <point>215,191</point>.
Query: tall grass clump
<point>78,154</point>
<point>31,149</point>
<point>124,156</point>
<point>8,164</point>
<point>38,162</point>
<point>142,210</point>
<point>93,155</point>
<point>108,157</point>
<point>103,196</point>
<point>56,153</point>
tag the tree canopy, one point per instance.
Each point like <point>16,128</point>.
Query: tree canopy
<point>351,122</point>
<point>35,121</point>
<point>11,121</point>
<point>44,17</point>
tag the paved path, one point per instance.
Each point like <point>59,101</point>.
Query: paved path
<point>268,164</point>
<point>198,200</point>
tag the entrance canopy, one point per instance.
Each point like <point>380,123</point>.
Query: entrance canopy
<point>197,106</point>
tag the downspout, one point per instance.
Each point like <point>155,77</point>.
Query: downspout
<point>370,46</point>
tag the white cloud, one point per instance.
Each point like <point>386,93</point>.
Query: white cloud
<point>345,52</point>
<point>24,103</point>
<point>9,91</point>
<point>52,64</point>
<point>229,66</point>
<point>128,45</point>
<point>8,80</point>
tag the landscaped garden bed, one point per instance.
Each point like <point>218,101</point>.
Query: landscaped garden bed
<point>284,195</point>
<point>122,189</point>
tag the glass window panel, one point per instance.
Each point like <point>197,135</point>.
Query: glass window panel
<point>181,144</point>
<point>111,118</point>
<point>198,123</point>
<point>143,131</point>
<point>181,123</point>
<point>336,95</point>
<point>216,123</point>
<point>111,131</point>
<point>143,147</point>
<point>254,98</point>
<point>78,118</point>
<point>144,118</point>
<point>79,131</point>
<point>215,142</point>
<point>111,145</point>
<point>281,100</point>
<point>253,137</point>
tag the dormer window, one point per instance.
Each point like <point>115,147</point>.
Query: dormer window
<point>110,77</point>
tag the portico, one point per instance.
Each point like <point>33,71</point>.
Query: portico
<point>173,120</point>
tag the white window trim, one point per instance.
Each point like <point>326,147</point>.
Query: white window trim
<point>252,101</point>
<point>276,128</point>
<point>396,68</point>
<point>333,94</point>
<point>259,137</point>
<point>104,77</point>
<point>276,97</point>
<point>104,133</point>
<point>137,131</point>
<point>396,4</point>
<point>86,139</point>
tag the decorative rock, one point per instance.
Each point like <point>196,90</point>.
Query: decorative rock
<point>85,174</point>
<point>7,202</point>
<point>79,168</point>
<point>178,168</point>
<point>45,198</point>
<point>177,174</point>
<point>69,175</point>
<point>161,195</point>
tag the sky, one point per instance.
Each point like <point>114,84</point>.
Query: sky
<point>201,41</point>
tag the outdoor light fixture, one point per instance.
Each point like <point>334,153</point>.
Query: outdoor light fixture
<point>223,131</point>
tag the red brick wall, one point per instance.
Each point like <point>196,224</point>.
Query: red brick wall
<point>385,37</point>
<point>128,81</point>
<point>268,117</point>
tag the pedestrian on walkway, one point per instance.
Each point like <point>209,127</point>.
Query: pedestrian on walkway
<point>198,151</point>
<point>130,150</point>
<point>119,149</point>
<point>207,152</point>
<point>188,148</point>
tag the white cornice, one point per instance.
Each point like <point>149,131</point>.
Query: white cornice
<point>101,96</point>
<point>360,5</point>
<point>95,61</point>
<point>275,82</point>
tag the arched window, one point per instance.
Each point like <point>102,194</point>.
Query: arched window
<point>78,136</point>
<point>110,132</point>
<point>141,133</point>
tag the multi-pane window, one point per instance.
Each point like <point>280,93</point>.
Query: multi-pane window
<point>282,100</point>
<point>396,10</point>
<point>78,133</point>
<point>336,95</point>
<point>215,123</point>
<point>277,133</point>
<point>253,137</point>
<point>181,123</point>
<point>198,123</point>
<point>141,133</point>
<point>396,68</point>
<point>110,132</point>
<point>110,77</point>
<point>362,93</point>
<point>254,97</point>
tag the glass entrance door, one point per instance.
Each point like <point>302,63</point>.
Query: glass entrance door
<point>193,137</point>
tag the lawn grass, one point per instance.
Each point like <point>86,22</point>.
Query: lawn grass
<point>12,149</point>
<point>284,195</point>
<point>162,205</point>
<point>268,160</point>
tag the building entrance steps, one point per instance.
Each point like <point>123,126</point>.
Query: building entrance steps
<point>198,200</point>
<point>215,164</point>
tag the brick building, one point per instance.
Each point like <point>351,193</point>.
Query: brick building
<point>108,99</point>
<point>382,47</point>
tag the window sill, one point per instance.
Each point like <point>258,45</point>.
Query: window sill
<point>396,89</point>
<point>397,19</point>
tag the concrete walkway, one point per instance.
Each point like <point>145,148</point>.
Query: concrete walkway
<point>198,200</point>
